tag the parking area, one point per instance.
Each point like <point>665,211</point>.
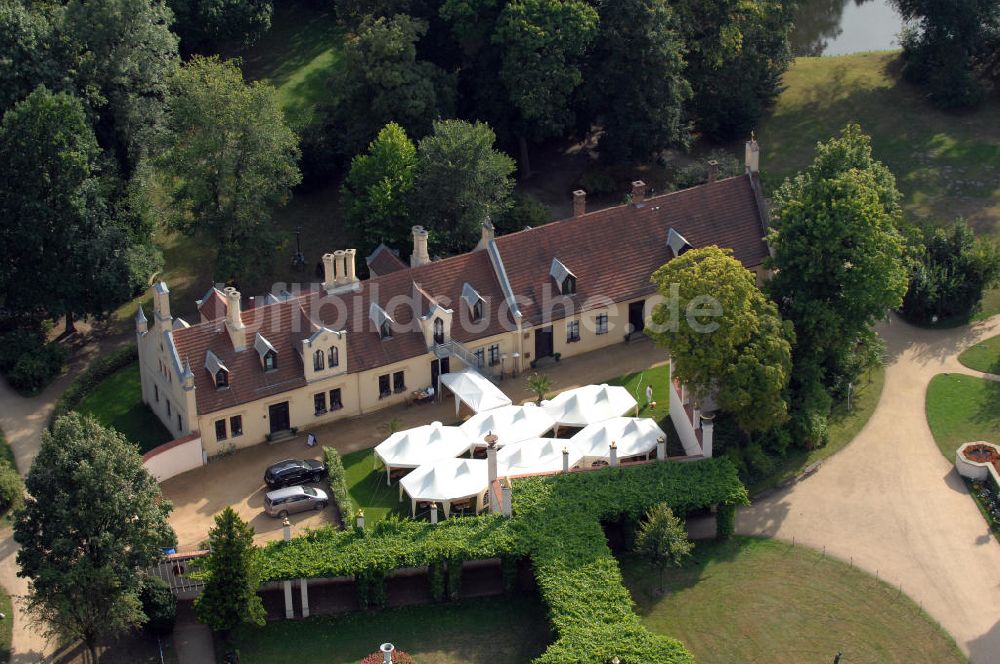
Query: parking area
<point>238,480</point>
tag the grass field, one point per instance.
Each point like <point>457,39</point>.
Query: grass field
<point>946,164</point>
<point>756,600</point>
<point>367,485</point>
<point>116,402</point>
<point>961,409</point>
<point>6,625</point>
<point>481,631</point>
<point>984,356</point>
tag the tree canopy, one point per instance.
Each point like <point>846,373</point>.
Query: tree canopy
<point>203,24</point>
<point>731,344</point>
<point>837,250</point>
<point>229,159</point>
<point>232,576</point>
<point>29,51</point>
<point>663,539</point>
<point>93,520</point>
<point>460,181</point>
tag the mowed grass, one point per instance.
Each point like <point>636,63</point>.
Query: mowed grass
<point>366,482</point>
<point>961,409</point>
<point>946,164</point>
<point>117,402</point>
<point>757,600</point>
<point>6,625</point>
<point>984,356</point>
<point>480,631</point>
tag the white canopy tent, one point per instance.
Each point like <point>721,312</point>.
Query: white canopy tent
<point>420,445</point>
<point>589,404</point>
<point>536,455</point>
<point>510,424</point>
<point>633,436</point>
<point>474,390</point>
<point>447,481</point>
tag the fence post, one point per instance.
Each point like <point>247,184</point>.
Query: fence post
<point>289,607</point>
<point>304,591</point>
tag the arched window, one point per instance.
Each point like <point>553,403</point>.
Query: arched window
<point>270,360</point>
<point>318,360</point>
<point>334,357</point>
<point>477,310</point>
<point>222,378</point>
<point>438,331</point>
<point>569,285</point>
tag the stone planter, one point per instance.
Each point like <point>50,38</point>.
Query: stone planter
<point>977,470</point>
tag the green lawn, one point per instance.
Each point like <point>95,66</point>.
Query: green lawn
<point>117,402</point>
<point>758,600</point>
<point>481,631</point>
<point>6,452</point>
<point>6,625</point>
<point>946,164</point>
<point>367,485</point>
<point>984,356</point>
<point>844,426</point>
<point>961,409</point>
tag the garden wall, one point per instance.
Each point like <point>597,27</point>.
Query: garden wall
<point>173,458</point>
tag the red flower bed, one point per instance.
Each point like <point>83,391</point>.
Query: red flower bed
<point>983,454</point>
<point>398,657</point>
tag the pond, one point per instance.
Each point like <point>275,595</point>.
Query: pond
<point>836,27</point>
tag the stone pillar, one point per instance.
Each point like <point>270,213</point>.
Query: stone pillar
<point>359,520</point>
<point>387,650</point>
<point>491,470</point>
<point>707,428</point>
<point>565,459</point>
<point>614,453</point>
<point>434,512</point>
<point>661,448</point>
<point>508,493</point>
<point>579,203</point>
<point>304,592</point>
<point>286,527</point>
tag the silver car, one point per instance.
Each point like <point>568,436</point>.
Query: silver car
<point>294,499</point>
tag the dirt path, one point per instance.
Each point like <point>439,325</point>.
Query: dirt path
<point>894,505</point>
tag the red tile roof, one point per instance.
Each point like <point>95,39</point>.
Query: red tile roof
<point>384,261</point>
<point>213,305</point>
<point>612,252</point>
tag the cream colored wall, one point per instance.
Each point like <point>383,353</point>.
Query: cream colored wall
<point>323,342</point>
<point>170,387</point>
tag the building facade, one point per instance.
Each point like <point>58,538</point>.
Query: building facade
<point>348,346</point>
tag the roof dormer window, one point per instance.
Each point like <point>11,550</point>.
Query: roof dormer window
<point>473,300</point>
<point>268,355</point>
<point>383,322</point>
<point>565,279</point>
<point>677,243</point>
<point>218,370</point>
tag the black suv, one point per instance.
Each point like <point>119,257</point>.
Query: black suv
<point>294,471</point>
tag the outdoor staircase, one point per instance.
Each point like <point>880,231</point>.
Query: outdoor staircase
<point>452,348</point>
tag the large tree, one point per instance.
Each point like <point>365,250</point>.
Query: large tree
<point>232,576</point>
<point>724,336</point>
<point>636,84</point>
<point>230,159</point>
<point>28,51</point>
<point>542,44</point>
<point>737,52</point>
<point>460,181</point>
<point>377,188</point>
<point>63,252</point>
<point>203,24</point>
<point>124,54</point>
<point>837,252</point>
<point>93,520</point>
<point>383,81</point>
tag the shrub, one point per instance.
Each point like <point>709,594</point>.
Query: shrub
<point>11,487</point>
<point>159,605</point>
<point>88,380</point>
<point>17,343</point>
<point>338,484</point>
<point>725,521</point>
<point>36,368</point>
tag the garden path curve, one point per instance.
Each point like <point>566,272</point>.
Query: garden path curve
<point>893,504</point>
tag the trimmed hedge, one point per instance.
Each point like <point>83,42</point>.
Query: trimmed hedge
<point>557,522</point>
<point>98,370</point>
<point>338,484</point>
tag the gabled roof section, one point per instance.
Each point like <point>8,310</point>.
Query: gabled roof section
<point>378,316</point>
<point>262,345</point>
<point>213,364</point>
<point>677,243</point>
<point>212,305</point>
<point>470,295</point>
<point>384,261</point>
<point>559,272</point>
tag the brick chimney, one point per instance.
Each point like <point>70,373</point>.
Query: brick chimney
<point>488,234</point>
<point>638,193</point>
<point>339,264</point>
<point>234,319</point>
<point>350,265</point>
<point>329,272</point>
<point>579,203</point>
<point>420,256</point>
<point>713,170</point>
<point>752,159</point>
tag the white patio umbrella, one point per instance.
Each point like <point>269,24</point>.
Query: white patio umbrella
<point>474,390</point>
<point>536,455</point>
<point>447,481</point>
<point>633,436</point>
<point>589,404</point>
<point>509,423</point>
<point>420,445</point>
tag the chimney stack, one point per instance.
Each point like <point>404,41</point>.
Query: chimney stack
<point>752,155</point>
<point>339,265</point>
<point>329,272</point>
<point>350,272</point>
<point>419,256</point>
<point>234,319</point>
<point>713,170</point>
<point>579,203</point>
<point>161,307</point>
<point>488,234</point>
<point>638,193</point>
